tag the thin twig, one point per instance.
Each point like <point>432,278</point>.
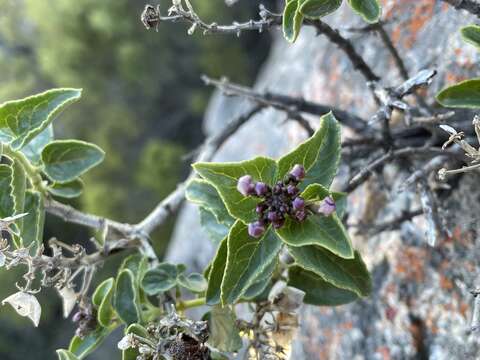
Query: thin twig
<point>430,209</point>
<point>422,172</point>
<point>346,45</point>
<point>287,103</point>
<point>472,6</point>
<point>373,229</point>
<point>366,171</point>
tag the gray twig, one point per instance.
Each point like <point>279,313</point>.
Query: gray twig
<point>471,6</point>
<point>287,103</point>
<point>430,209</point>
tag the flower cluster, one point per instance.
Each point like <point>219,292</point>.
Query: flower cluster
<point>279,201</point>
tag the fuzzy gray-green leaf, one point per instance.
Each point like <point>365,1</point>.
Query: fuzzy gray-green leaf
<point>65,160</point>
<point>318,291</point>
<point>349,274</point>
<point>215,275</point>
<point>247,257</point>
<point>68,190</point>
<point>126,297</point>
<point>471,34</point>
<point>33,223</point>
<point>292,20</point>
<point>319,155</point>
<point>314,9</point>
<point>369,10</point>
<point>465,94</point>
<point>203,194</point>
<point>22,120</point>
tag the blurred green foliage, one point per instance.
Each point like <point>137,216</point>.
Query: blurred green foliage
<point>143,102</point>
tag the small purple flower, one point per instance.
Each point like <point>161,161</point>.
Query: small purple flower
<point>260,208</point>
<point>277,224</point>
<point>277,189</point>
<point>78,316</point>
<point>292,190</point>
<point>301,215</point>
<point>298,203</point>
<point>256,229</point>
<point>298,171</point>
<point>261,188</point>
<point>245,185</point>
<point>272,216</point>
<point>327,206</point>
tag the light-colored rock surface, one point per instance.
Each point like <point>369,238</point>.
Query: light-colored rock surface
<point>420,307</point>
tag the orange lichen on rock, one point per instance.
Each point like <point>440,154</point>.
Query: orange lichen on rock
<point>411,263</point>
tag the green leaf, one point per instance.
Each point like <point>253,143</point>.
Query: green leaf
<point>256,290</point>
<point>194,282</point>
<point>137,264</point>
<point>102,298</point>
<point>471,34</point>
<point>131,354</point>
<point>247,258</point>
<point>33,223</point>
<point>215,231</point>
<point>318,291</point>
<point>262,282</point>
<point>33,149</point>
<point>160,279</point>
<point>65,355</point>
<point>465,94</point>
<point>206,196</point>
<point>224,177</point>
<point>82,347</point>
<point>292,20</point>
<point>65,160</point>
<point>126,297</point>
<point>326,231</point>
<point>68,190</point>
<point>319,155</point>
<point>22,120</point>
<point>216,272</point>
<point>349,274</point>
<point>369,10</point>
<point>7,203</point>
<point>18,185</point>
<point>340,203</point>
<point>224,334</point>
<point>315,9</point>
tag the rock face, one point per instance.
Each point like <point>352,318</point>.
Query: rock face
<point>420,306</point>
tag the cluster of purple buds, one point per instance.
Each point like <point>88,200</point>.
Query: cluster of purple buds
<point>278,202</point>
<point>86,320</point>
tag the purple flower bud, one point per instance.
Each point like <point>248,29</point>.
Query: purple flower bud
<point>292,190</point>
<point>277,189</point>
<point>260,208</point>
<point>301,215</point>
<point>245,185</point>
<point>327,206</point>
<point>261,188</point>
<point>298,203</point>
<point>298,171</point>
<point>256,229</point>
<point>78,316</point>
<point>278,223</point>
<point>272,216</point>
